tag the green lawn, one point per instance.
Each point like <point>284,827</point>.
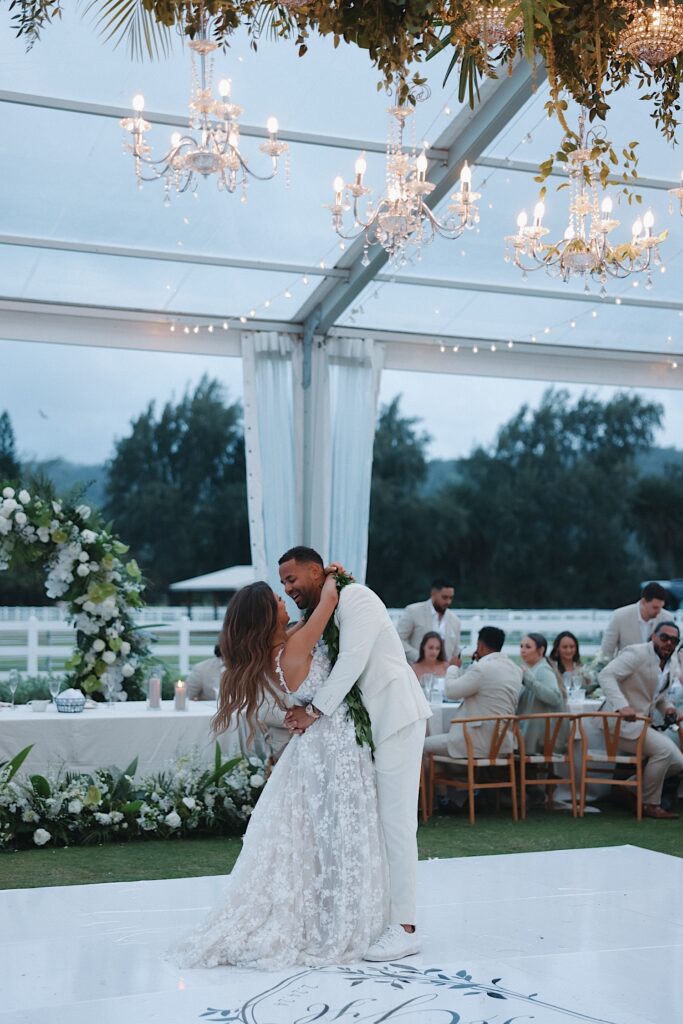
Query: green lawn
<point>444,836</point>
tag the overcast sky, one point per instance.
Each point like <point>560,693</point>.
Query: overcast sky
<point>73,402</point>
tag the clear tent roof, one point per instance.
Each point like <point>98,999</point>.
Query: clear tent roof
<point>69,191</point>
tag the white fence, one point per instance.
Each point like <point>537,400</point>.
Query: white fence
<point>34,642</point>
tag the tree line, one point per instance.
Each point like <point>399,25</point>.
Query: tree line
<point>562,510</point>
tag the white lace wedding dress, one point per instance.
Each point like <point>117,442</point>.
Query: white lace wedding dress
<point>310,885</point>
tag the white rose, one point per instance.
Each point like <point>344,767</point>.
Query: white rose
<point>88,536</point>
<point>20,518</point>
<point>173,820</point>
<point>255,762</point>
<point>9,504</point>
<point>41,836</point>
<point>82,569</point>
<point>24,497</point>
<point>127,671</point>
<point>8,492</point>
<point>5,525</point>
<point>75,807</point>
<point>98,645</point>
<point>84,557</point>
<point>256,781</point>
<point>125,647</point>
<point>109,657</point>
<point>43,534</point>
<point>190,802</point>
<point>84,511</point>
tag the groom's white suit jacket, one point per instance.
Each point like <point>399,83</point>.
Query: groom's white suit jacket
<point>371,653</point>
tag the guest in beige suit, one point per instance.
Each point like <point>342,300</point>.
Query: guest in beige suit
<point>491,686</point>
<point>634,623</point>
<point>271,737</point>
<point>635,683</point>
<point>205,678</point>
<point>434,615</point>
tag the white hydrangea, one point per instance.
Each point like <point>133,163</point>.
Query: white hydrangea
<point>109,657</point>
<point>75,807</point>
<point>98,645</point>
<point>24,497</point>
<point>173,820</point>
<point>41,836</point>
<point>189,802</point>
<point>8,492</point>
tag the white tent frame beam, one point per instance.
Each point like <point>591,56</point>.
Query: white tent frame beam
<point>466,138</point>
<point>314,270</point>
<point>56,324</point>
<point>181,120</point>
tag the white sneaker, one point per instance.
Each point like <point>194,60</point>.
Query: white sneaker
<point>393,944</point>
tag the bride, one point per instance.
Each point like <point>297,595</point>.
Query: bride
<point>309,886</point>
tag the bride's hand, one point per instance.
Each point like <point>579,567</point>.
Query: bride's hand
<point>335,567</point>
<point>329,590</point>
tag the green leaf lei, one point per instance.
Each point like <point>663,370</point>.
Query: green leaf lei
<point>358,713</point>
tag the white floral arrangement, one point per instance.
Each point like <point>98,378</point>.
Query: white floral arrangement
<point>111,804</point>
<point>85,569</point>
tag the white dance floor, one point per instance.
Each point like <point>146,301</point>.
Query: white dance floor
<point>590,935</point>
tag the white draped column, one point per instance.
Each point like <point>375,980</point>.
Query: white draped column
<point>271,441</point>
<point>309,434</point>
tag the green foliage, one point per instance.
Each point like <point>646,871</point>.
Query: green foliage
<point>656,507</point>
<point>552,515</point>
<point>177,487</point>
<point>10,467</point>
<point>578,43</point>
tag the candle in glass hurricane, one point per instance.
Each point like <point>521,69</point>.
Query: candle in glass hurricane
<point>180,696</point>
<point>154,692</point>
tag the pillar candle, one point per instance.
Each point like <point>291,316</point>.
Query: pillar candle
<point>154,692</point>
<point>180,696</point>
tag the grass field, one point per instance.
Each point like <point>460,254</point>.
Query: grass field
<point>444,836</point>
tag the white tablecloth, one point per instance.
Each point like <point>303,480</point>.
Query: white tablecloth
<point>102,737</point>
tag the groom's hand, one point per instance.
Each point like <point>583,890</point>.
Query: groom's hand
<point>297,720</point>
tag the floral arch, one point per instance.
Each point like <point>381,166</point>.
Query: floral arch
<point>85,569</point>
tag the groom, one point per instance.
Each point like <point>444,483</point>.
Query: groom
<point>371,654</point>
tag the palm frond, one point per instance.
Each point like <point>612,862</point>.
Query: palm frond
<point>130,21</point>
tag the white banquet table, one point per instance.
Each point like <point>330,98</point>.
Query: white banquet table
<point>101,737</point>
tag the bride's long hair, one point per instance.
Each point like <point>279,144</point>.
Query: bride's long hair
<point>246,644</point>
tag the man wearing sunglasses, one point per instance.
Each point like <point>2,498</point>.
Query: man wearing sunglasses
<point>637,682</point>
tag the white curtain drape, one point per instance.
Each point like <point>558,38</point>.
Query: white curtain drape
<point>309,452</point>
<point>269,435</point>
<point>355,369</point>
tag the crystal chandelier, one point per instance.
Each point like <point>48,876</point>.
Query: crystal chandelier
<point>653,33</point>
<point>490,24</point>
<point>212,144</point>
<point>585,250</point>
<point>401,218</point>
<point>676,193</point>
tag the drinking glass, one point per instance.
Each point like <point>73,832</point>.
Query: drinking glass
<point>437,690</point>
<point>426,682</point>
<point>13,684</point>
<point>55,686</point>
<point>108,684</point>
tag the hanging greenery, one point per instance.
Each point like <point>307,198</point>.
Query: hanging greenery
<point>590,49</point>
<point>86,568</point>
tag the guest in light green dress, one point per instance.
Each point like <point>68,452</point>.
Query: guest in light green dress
<point>542,693</point>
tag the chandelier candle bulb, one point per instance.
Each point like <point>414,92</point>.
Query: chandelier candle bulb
<point>421,166</point>
<point>272,126</point>
<point>138,103</point>
<point>338,186</point>
<point>637,228</point>
<point>465,179</point>
<point>539,213</point>
<point>225,87</point>
<point>360,168</point>
<point>175,139</point>
<point>180,703</point>
<point>606,205</point>
<point>648,221</point>
<point>522,220</point>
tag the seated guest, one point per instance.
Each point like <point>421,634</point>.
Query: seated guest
<point>432,656</point>
<point>565,658</point>
<point>205,678</point>
<point>270,737</point>
<point>433,615</point>
<point>635,623</point>
<point>490,686</point>
<point>542,691</point>
<point>637,682</point>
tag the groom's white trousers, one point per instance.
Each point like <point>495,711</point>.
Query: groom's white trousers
<point>397,769</point>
